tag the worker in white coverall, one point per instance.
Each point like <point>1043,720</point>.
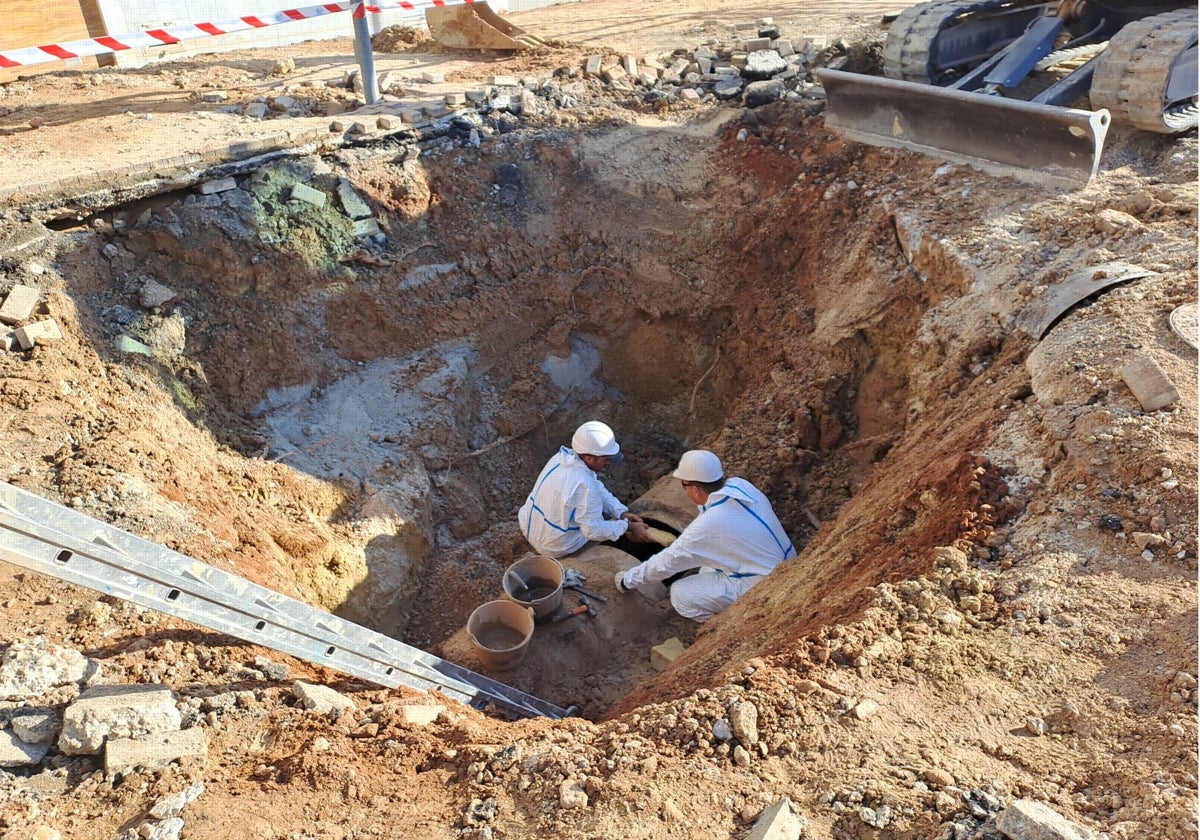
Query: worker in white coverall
<point>570,506</point>
<point>734,542</point>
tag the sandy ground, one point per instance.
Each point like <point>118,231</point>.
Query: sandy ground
<point>996,594</point>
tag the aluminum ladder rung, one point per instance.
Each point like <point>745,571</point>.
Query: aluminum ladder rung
<point>55,540</point>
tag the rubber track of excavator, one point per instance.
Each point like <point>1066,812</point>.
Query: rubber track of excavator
<point>1131,77</point>
<point>907,57</point>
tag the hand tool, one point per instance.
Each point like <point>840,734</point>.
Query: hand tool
<point>584,607</point>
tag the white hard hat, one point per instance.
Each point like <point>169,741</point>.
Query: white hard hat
<point>699,465</point>
<point>595,438</point>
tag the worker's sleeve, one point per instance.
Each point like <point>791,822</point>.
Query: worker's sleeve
<point>612,505</point>
<point>590,506</point>
<point>679,556</point>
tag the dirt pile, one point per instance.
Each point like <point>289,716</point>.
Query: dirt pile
<point>995,599</point>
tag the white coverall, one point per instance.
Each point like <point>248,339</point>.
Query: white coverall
<point>567,508</point>
<point>736,540</point>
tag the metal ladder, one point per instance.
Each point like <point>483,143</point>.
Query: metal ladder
<point>46,537</point>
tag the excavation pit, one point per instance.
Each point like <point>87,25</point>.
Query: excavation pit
<point>407,388</point>
<point>356,428</point>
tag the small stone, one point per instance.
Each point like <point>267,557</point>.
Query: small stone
<point>571,795</point>
<point>937,777</point>
<point>865,709</point>
<point>743,720</point>
<point>1035,726</point>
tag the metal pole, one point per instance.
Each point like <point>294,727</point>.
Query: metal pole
<point>364,56</point>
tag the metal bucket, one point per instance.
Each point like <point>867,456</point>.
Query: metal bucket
<point>535,582</point>
<point>500,631</point>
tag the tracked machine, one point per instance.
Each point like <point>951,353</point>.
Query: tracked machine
<point>1023,88</point>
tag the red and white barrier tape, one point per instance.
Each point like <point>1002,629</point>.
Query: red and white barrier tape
<point>25,56</point>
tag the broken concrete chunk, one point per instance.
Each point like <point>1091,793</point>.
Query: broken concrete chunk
<point>780,821</point>
<point>117,711</point>
<point>39,332</point>
<point>19,304</point>
<point>305,193</point>
<point>36,725</point>
<point>16,753</point>
<point>153,752</point>
<point>320,698</point>
<point>1029,820</point>
<point>155,294</point>
<point>763,64</point>
<point>1149,383</point>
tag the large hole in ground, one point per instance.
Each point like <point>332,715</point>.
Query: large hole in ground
<point>401,392</point>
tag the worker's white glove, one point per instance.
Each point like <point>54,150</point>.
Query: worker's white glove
<point>619,581</point>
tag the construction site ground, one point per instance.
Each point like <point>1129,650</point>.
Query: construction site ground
<point>995,594</point>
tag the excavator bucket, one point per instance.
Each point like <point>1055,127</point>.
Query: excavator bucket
<point>474,26</point>
<point>997,135</point>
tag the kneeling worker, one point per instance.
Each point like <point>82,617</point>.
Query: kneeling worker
<point>569,504</point>
<point>734,542</point>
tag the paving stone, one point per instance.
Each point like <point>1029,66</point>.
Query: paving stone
<point>39,332</point>
<point>366,227</point>
<point>430,78</point>
<point>504,81</point>
<point>389,122</point>
<point>305,193</point>
<point>614,74</point>
<point>352,203</point>
<point>456,100</point>
<point>784,47</point>
<point>591,66</point>
<point>690,95</point>
<point>754,44</point>
<point>218,186</point>
<point>630,64</point>
<point>1149,383</point>
<point>8,341</point>
<point>153,752</point>
<point>19,304</point>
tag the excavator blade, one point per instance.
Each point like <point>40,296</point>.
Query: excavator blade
<point>1001,136</point>
<point>474,26</point>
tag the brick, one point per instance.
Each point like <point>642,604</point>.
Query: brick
<point>630,64</point>
<point>39,332</point>
<point>19,304</point>
<point>389,122</point>
<point>1150,384</point>
<point>476,96</point>
<point>663,655</point>
<point>153,752</point>
<point>303,192</point>
<point>614,74</point>
<point>784,47</point>
<point>755,44</point>
<point>591,66</point>
<point>503,81</point>
<point>456,100</point>
<point>433,78</point>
